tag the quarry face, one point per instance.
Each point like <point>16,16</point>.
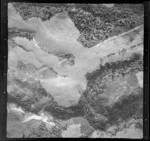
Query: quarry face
<point>57,74</point>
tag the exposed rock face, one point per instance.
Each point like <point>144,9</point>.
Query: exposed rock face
<point>52,72</point>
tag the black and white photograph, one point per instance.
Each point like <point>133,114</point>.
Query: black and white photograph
<point>75,70</point>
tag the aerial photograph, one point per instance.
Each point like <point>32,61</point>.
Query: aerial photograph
<point>75,70</point>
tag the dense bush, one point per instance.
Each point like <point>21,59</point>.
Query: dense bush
<point>104,83</point>
<point>95,22</point>
<point>101,22</point>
